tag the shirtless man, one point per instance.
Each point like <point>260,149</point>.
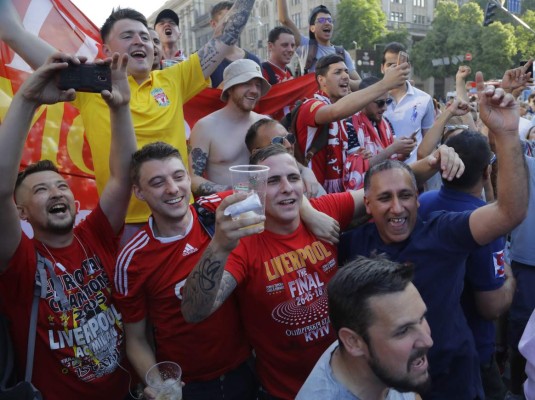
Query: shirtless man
<point>243,86</point>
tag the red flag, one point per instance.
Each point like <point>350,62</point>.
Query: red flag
<point>57,132</point>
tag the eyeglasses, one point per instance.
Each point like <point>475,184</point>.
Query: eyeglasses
<point>381,103</point>
<point>492,159</point>
<point>280,139</point>
<point>323,20</point>
<point>449,128</point>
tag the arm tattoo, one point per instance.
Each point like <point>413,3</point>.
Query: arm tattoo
<point>236,21</point>
<point>209,55</point>
<point>199,160</point>
<point>207,188</point>
<point>207,287</point>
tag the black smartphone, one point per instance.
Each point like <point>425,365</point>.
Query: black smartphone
<point>92,78</point>
<point>530,69</point>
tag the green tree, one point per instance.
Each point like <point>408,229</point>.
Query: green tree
<point>362,21</point>
<point>456,31</point>
<point>525,40</point>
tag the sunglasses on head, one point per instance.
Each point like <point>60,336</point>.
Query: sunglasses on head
<point>280,139</point>
<point>449,128</point>
<point>323,20</point>
<point>381,103</point>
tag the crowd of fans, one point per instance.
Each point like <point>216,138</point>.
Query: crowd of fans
<point>394,259</point>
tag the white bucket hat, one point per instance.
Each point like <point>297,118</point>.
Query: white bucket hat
<point>241,71</point>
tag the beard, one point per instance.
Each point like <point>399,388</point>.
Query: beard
<point>400,383</point>
<point>61,227</point>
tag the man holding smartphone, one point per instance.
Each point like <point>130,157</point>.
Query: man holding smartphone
<point>411,108</point>
<point>157,96</point>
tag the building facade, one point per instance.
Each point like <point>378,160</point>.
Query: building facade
<point>415,15</point>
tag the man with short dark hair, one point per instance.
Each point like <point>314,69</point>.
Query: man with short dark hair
<point>318,43</point>
<point>156,63</point>
<point>383,336</point>
<point>412,110</point>
<point>373,131</point>
<point>167,24</point>
<point>150,273</point>
<point>279,275</point>
<point>79,343</point>
<point>489,282</point>
<point>281,47</point>
<point>439,247</point>
<point>328,110</point>
<point>267,131</point>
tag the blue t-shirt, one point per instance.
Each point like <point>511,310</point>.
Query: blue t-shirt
<point>217,75</point>
<point>484,266</point>
<point>438,249</point>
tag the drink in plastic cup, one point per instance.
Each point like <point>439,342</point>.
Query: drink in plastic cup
<point>164,378</point>
<point>251,179</point>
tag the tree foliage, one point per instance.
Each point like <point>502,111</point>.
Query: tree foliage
<point>456,31</point>
<point>362,21</point>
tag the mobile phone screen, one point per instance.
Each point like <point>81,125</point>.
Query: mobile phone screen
<point>402,57</point>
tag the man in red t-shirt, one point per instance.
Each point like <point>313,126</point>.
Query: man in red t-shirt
<point>150,273</point>
<point>279,275</point>
<point>281,46</point>
<point>332,103</point>
<point>79,344</point>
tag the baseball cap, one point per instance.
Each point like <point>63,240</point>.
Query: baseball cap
<point>242,71</point>
<point>167,13</point>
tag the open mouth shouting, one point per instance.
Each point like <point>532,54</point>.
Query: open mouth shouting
<point>168,31</point>
<point>138,55</point>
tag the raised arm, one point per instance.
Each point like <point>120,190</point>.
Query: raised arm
<point>116,195</point>
<point>209,285</point>
<point>499,113</point>
<point>198,154</point>
<point>433,136</point>
<point>32,49</point>
<point>395,76</point>
<point>284,19</point>
<point>213,52</point>
<point>39,88</point>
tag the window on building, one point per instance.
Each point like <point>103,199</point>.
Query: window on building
<point>396,16</point>
<point>397,1</point>
<point>295,2</point>
<point>296,18</point>
<point>418,19</point>
<point>264,10</point>
<point>418,3</point>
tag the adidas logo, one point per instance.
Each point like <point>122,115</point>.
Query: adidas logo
<point>189,249</point>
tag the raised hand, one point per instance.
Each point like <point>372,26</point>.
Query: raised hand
<point>516,78</point>
<point>397,75</point>
<point>463,72</point>
<point>41,86</point>
<point>497,109</point>
<point>120,94</point>
<point>228,232</point>
<point>450,164</point>
<point>459,108</point>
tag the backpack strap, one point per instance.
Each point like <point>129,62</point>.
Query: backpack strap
<point>319,142</point>
<point>39,292</point>
<point>311,56</point>
<point>340,51</point>
<point>272,77</point>
<point>206,219</point>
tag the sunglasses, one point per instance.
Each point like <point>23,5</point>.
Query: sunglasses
<point>323,20</point>
<point>449,128</point>
<point>381,103</point>
<point>280,139</point>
